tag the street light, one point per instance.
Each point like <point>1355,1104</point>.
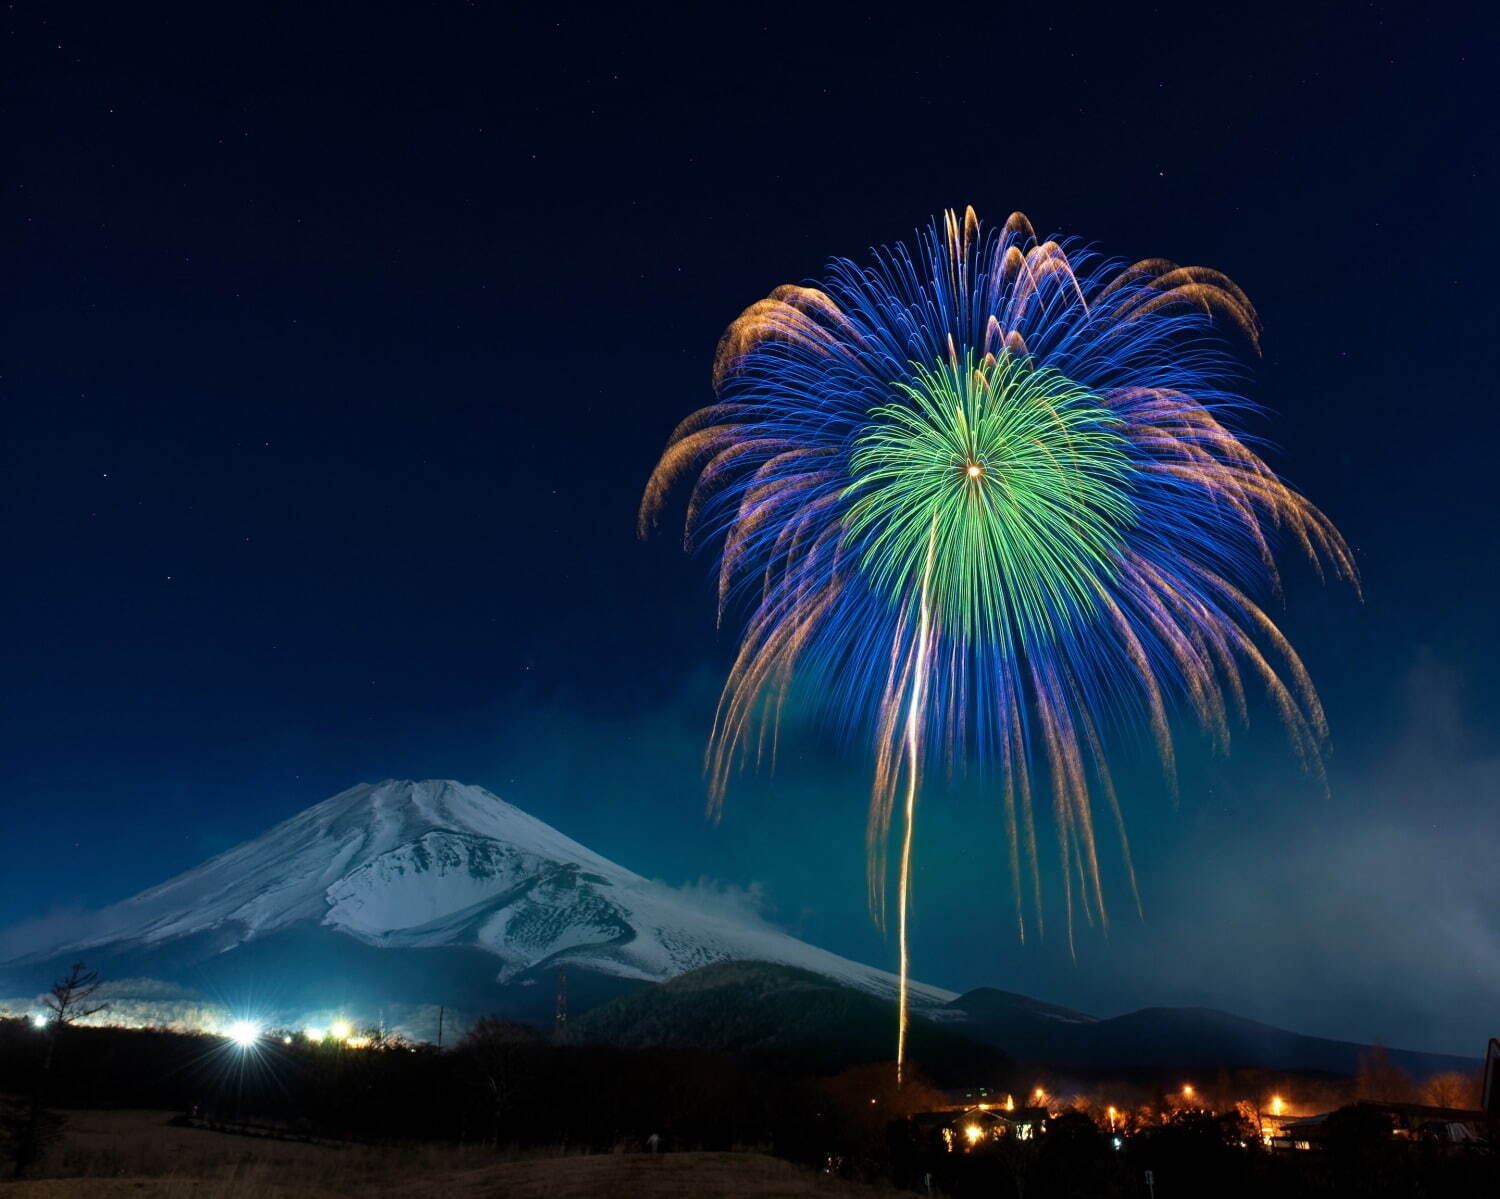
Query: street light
<point>244,1033</point>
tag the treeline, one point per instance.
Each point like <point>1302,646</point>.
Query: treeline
<point>506,1086</point>
<point>503,1085</point>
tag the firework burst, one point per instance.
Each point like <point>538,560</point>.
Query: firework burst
<point>990,493</point>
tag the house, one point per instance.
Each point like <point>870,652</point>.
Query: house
<point>1410,1122</point>
<point>961,1129</point>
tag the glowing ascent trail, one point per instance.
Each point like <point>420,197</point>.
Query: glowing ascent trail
<point>987,493</point>
<point>913,739</point>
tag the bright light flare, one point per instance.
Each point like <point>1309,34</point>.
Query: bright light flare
<point>39,1021</point>
<point>314,1034</point>
<point>342,1030</point>
<point>973,1132</point>
<point>243,1033</point>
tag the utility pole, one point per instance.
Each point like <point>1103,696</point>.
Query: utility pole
<point>441,1009</point>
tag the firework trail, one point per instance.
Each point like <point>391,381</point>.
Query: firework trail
<point>989,492</point>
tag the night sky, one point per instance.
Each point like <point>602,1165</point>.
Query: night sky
<point>338,341</point>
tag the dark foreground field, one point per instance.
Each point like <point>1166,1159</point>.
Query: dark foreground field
<point>110,1111</point>
<point>140,1154</point>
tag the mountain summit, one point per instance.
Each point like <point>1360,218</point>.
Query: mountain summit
<point>421,905</point>
<point>436,866</point>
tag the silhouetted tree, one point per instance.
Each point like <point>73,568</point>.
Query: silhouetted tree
<point>860,1105</point>
<point>1075,1157</point>
<point>1452,1090</point>
<point>1197,1153</point>
<point>71,998</point>
<point>30,1128</point>
<point>1361,1151</point>
<point>1381,1080</point>
<point>496,1050</point>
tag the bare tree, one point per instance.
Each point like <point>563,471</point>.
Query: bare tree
<point>33,1127</point>
<point>69,999</point>
<point>1452,1090</point>
<point>1381,1080</point>
<point>498,1050</point>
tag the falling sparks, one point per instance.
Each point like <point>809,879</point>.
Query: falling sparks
<point>989,493</point>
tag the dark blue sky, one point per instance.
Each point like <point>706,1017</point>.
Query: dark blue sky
<point>338,341</point>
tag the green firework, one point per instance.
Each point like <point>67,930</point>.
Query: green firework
<point>1019,478</point>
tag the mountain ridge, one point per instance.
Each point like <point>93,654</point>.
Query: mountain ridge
<point>803,1019</point>
<point>438,865</point>
<point>1164,1037</point>
<point>395,900</point>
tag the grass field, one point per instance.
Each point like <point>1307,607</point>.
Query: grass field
<point>112,1155</point>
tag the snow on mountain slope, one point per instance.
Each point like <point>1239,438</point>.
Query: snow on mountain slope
<point>440,864</point>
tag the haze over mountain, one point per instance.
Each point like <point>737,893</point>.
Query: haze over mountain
<point>393,900</point>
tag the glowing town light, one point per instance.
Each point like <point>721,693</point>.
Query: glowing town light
<point>1039,1094</point>
<point>1278,1105</point>
<point>342,1030</point>
<point>1010,1103</point>
<point>244,1033</point>
<point>314,1033</point>
<point>1116,1142</point>
<point>1113,1115</point>
<point>1187,1090</point>
<point>973,1132</point>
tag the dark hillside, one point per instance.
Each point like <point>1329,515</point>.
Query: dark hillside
<point>786,1013</point>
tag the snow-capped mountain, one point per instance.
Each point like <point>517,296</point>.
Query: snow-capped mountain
<point>436,866</point>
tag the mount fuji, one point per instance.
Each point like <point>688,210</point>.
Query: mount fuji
<point>391,900</point>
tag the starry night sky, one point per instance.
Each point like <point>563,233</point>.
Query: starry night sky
<point>338,341</point>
